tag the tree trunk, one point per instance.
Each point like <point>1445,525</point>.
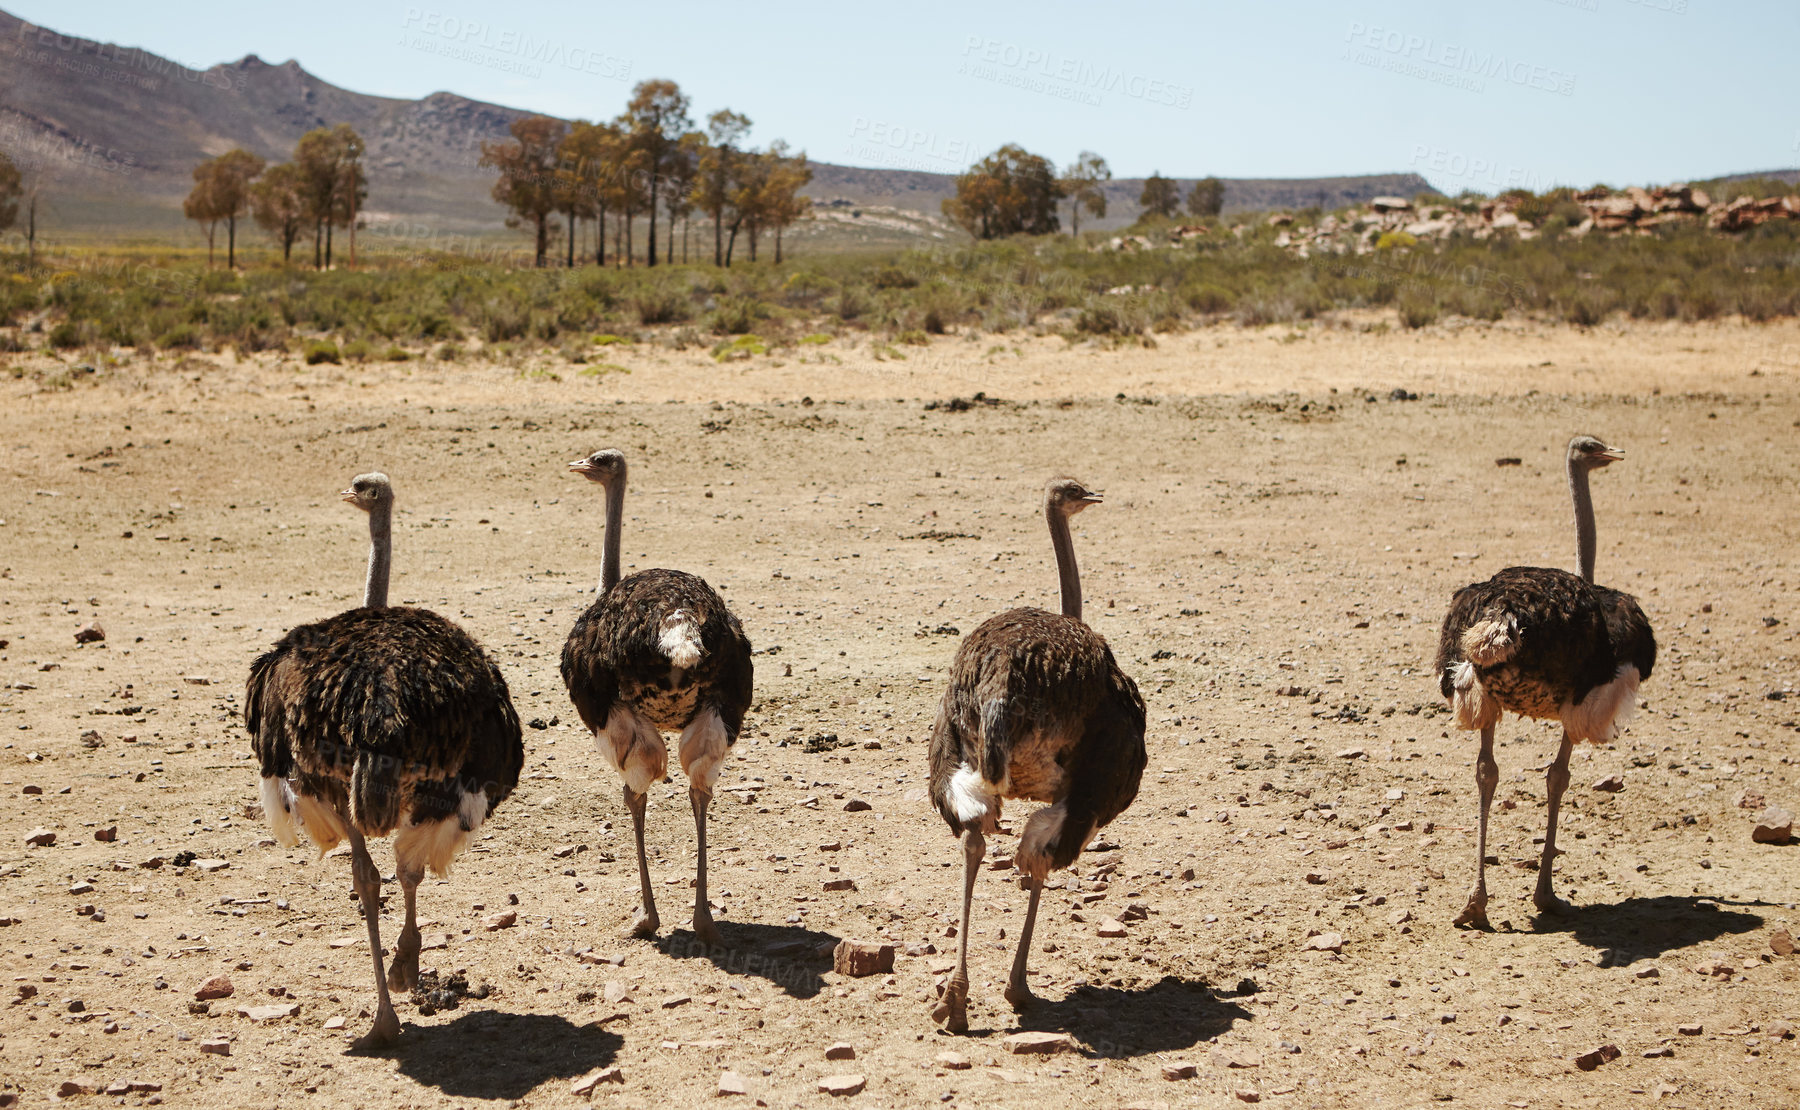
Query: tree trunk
<point>287,246</point>
<point>328,227</point>
<point>543,238</point>
<point>652,213</point>
<point>718,240</point>
<point>629,260</point>
<point>31,231</point>
<point>571,239</point>
<point>231,243</point>
<point>1075,219</point>
<point>353,215</point>
<point>318,244</point>
<point>600,238</point>
<point>211,230</point>
<point>777,244</point>
<point>687,225</point>
<point>731,243</point>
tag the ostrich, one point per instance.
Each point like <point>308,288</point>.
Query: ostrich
<point>1550,645</point>
<point>382,720</point>
<point>1038,709</point>
<point>657,652</point>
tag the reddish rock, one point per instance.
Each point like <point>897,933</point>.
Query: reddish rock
<point>494,922</point>
<point>40,838</point>
<point>1179,1071</point>
<point>1781,942</point>
<point>1692,1029</point>
<point>840,884</point>
<point>107,835</point>
<point>842,1050</point>
<point>1588,1061</point>
<point>1611,784</point>
<point>955,1061</point>
<point>731,1083</point>
<point>1112,927</point>
<point>1773,826</point>
<point>217,1046</point>
<point>587,1083</point>
<point>1040,1044</point>
<point>1325,942</point>
<point>219,986</point>
<point>90,633</point>
<point>843,1084</point>
<point>69,1088</point>
<point>857,959</point>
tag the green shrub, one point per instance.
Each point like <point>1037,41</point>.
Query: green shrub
<point>320,350</point>
<point>181,337</point>
<point>744,346</point>
<point>661,305</point>
<point>913,337</point>
<point>357,350</point>
<point>1207,297</point>
<point>1417,309</point>
<point>816,338</point>
<point>737,316</point>
<point>66,335</point>
<point>395,354</point>
<point>607,340</point>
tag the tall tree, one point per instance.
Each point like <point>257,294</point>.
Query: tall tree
<point>1011,191</point>
<point>783,203</point>
<point>203,205</point>
<point>528,174</point>
<point>278,204</point>
<point>1207,198</point>
<point>1161,196</point>
<point>588,155</point>
<point>1081,182</point>
<point>656,117</point>
<point>678,187</point>
<point>574,193</point>
<point>717,172</point>
<point>232,173</point>
<point>333,184</point>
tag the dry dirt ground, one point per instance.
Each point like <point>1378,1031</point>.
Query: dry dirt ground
<point>1279,540</point>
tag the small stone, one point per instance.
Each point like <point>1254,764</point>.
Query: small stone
<point>1325,942</point>
<point>82,888</point>
<point>218,1046</point>
<point>1780,1031</point>
<point>1651,972</point>
<point>219,986</point>
<point>336,1021</point>
<point>1318,878</point>
<point>1235,1058</point>
<point>842,1050</point>
<point>1350,753</point>
<point>40,838</point>
<point>494,922</point>
<point>587,1083</point>
<point>1448,1017</point>
<point>731,1083</point>
<point>1773,826</point>
<point>1588,1061</point>
<point>843,1084</point>
<point>1173,1072</point>
<point>90,633</point>
<point>955,1061</point>
<point>1113,927</point>
<point>1781,942</point>
<point>269,1013</point>
<point>72,1087</point>
<point>107,835</point>
<point>857,805</point>
<point>615,992</point>
<point>1751,799</point>
<point>1692,1029</point>
<point>675,1000</point>
<point>1246,1094</point>
<point>1659,1052</point>
<point>1611,784</point>
<point>857,959</point>
<point>1040,1044</point>
<point>840,884</point>
<point>210,865</point>
<point>563,852</point>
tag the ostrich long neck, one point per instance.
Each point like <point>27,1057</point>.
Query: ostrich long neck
<point>381,554</point>
<point>1065,562</point>
<point>615,518</point>
<point>1584,519</point>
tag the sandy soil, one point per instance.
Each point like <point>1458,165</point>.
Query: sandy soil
<point>1279,540</point>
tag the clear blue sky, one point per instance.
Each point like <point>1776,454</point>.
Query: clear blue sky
<point>1531,92</point>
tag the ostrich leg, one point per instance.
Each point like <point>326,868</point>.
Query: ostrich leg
<point>704,929</point>
<point>1018,991</point>
<point>647,922</point>
<point>1556,780</point>
<point>403,970</point>
<point>952,1009</point>
<point>1487,776</point>
<point>386,1029</point>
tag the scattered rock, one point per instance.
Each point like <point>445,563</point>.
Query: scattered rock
<point>107,835</point>
<point>675,1000</point>
<point>1611,784</point>
<point>90,633</point>
<point>1039,1043</point>
<point>1781,942</point>
<point>587,1083</point>
<point>857,805</point>
<point>1773,826</point>
<point>731,1083</point>
<point>842,1050</point>
<point>1246,1094</point>
<point>1588,1061</point>
<point>69,1088</point>
<point>843,1084</point>
<point>1693,1029</point>
<point>1651,972</point>
<point>494,922</point>
<point>1112,927</point>
<point>1179,1071</point>
<point>217,1046</point>
<point>857,959</point>
<point>1235,1058</point>
<point>1750,799</point>
<point>40,838</point>
<point>840,884</point>
<point>219,986</point>
<point>1350,753</point>
<point>269,1013</point>
<point>955,1061</point>
<point>1780,1031</point>
<point>336,1021</point>
<point>1325,942</point>
<point>615,992</point>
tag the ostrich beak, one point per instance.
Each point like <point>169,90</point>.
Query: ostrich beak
<point>348,497</point>
<point>581,466</point>
<point>1092,497</point>
<point>1610,454</point>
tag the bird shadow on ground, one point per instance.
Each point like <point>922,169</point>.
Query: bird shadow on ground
<point>488,1054</point>
<point>788,956</point>
<point>1640,928</point>
<point>1167,1016</point>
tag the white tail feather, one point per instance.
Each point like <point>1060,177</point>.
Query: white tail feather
<point>680,640</point>
<point>278,810</point>
<point>1490,642</point>
<point>1474,708</point>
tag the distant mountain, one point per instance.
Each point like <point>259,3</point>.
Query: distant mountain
<point>118,131</point>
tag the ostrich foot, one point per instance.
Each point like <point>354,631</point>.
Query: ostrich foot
<point>952,1010</point>
<point>1548,903</point>
<point>644,927</point>
<point>403,970</point>
<point>1019,994</point>
<point>385,1033</point>
<point>1474,915</point>
<point>704,929</point>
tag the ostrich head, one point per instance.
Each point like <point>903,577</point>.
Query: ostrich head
<point>1066,496</point>
<point>604,466</point>
<point>1588,453</point>
<point>368,491</point>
